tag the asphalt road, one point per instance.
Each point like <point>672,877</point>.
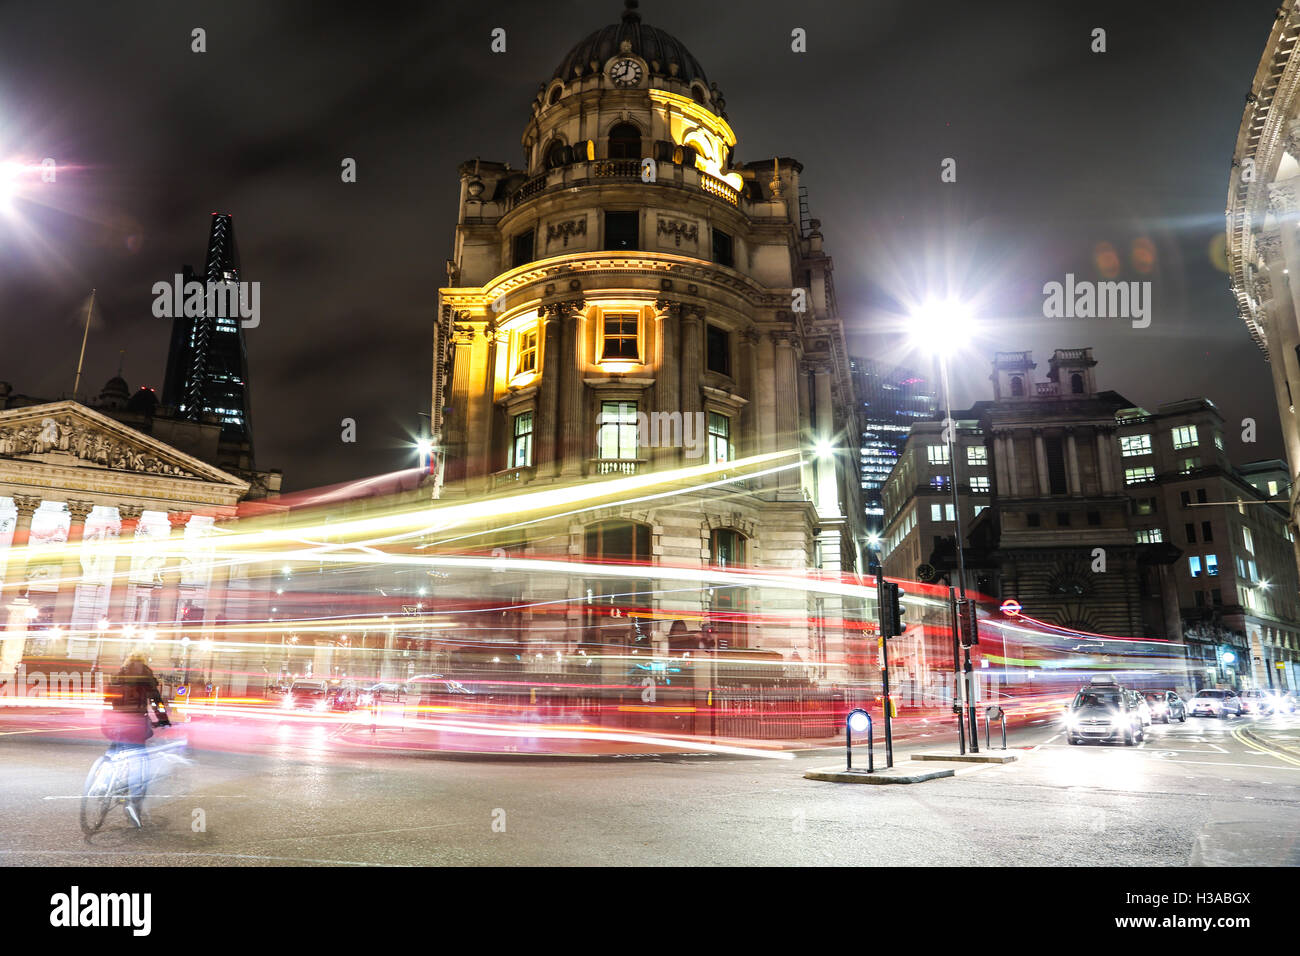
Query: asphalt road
<point>1195,793</point>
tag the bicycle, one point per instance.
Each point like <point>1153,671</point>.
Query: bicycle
<point>109,782</point>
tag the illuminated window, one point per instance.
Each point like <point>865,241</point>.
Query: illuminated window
<point>1188,465</point>
<point>936,512</point>
<point>937,454</point>
<point>1194,565</point>
<point>1185,437</point>
<point>1248,539</point>
<point>1150,536</point>
<point>720,448</point>
<point>620,340</point>
<point>1135,476</point>
<point>616,436</point>
<point>1211,564</point>
<point>977,455</point>
<point>1130,445</point>
<point>979,483</point>
<point>526,351</point>
<point>521,448</point>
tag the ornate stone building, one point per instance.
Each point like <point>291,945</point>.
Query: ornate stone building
<point>75,487</point>
<point>632,267</point>
<point>1262,215</point>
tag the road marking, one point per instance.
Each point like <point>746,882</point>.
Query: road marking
<point>1258,747</point>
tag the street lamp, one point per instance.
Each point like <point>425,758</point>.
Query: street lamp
<point>942,327</point>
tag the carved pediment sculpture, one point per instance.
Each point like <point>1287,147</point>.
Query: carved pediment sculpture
<point>65,434</point>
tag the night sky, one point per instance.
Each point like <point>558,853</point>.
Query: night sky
<point>1058,150</point>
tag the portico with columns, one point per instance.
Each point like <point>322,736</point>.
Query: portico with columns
<point>102,534</point>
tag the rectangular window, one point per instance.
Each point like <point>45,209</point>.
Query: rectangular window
<point>1185,437</point>
<point>1241,566</point>
<point>1200,599</point>
<point>1094,517</point>
<point>620,337</point>
<point>1272,489</point>
<point>1187,465</point>
<point>1252,572</point>
<point>617,435</point>
<point>521,249</point>
<point>1211,564</point>
<point>1218,441</point>
<point>939,482</point>
<point>936,512</point>
<point>1207,531</point>
<point>1032,519</point>
<point>978,509</point>
<point>1190,530</point>
<point>723,248</point>
<point>977,455</point>
<point>1248,540</point>
<point>1216,597</point>
<point>718,350</point>
<point>1194,563</point>
<point>1130,445</point>
<point>979,483</point>
<point>720,438</point>
<point>526,351</point>
<point>1144,506</point>
<point>1200,496</point>
<point>1063,519</point>
<point>621,231</point>
<point>948,512</point>
<point>937,454</point>
<point>1150,536</point>
<point>1185,497</point>
<point>521,446</point>
<point>1055,453</point>
<point>1136,476</point>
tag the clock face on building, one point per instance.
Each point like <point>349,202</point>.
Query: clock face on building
<point>625,72</point>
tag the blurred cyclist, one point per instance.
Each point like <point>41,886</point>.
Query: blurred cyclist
<point>131,693</point>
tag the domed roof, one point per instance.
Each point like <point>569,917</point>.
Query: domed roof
<point>115,392</point>
<point>653,45</point>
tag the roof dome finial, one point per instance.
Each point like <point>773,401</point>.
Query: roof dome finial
<point>629,13</point>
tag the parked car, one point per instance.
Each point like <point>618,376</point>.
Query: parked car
<point>1102,712</point>
<point>308,694</point>
<point>1216,703</point>
<point>1166,706</point>
<point>1259,702</point>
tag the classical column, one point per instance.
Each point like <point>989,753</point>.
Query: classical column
<point>1000,463</point>
<point>667,388</point>
<point>1040,460</point>
<point>787,408</point>
<point>574,446</point>
<point>70,573</point>
<point>457,422</point>
<point>120,583</point>
<point>170,592</point>
<point>745,441</point>
<point>828,494</point>
<point>15,590</point>
<point>546,432</point>
<point>1013,484</point>
<point>692,344</point>
<point>1104,465</point>
<point>1072,462</point>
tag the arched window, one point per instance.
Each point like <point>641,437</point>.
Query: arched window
<point>1076,384</point>
<point>624,142</point>
<point>555,96</point>
<point>697,94</point>
<point>612,605</point>
<point>555,155</point>
<point>1017,386</point>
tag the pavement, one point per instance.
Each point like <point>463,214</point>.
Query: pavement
<point>1196,793</point>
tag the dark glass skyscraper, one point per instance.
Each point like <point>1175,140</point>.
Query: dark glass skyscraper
<point>893,400</point>
<point>207,364</point>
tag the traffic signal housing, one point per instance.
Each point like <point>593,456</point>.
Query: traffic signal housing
<point>891,609</point>
<point>970,633</point>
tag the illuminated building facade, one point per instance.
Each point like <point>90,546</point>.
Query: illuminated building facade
<point>633,268</point>
<point>207,362</point>
<point>893,400</point>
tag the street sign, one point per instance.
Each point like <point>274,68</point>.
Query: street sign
<point>1011,607</point>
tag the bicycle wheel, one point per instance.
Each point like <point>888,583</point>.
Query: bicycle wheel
<point>97,796</point>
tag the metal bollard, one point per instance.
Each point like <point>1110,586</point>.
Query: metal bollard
<point>848,739</point>
<point>994,712</point>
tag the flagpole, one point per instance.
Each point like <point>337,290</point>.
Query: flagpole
<point>84,335</point>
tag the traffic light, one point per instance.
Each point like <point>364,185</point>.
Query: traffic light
<point>970,633</point>
<point>891,610</point>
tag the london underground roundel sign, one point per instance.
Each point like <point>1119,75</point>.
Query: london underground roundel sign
<point>1011,607</point>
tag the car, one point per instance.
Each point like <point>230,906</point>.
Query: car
<point>1286,703</point>
<point>1139,702</point>
<point>1102,712</point>
<point>1213,702</point>
<point>1257,702</point>
<point>436,694</point>
<point>1166,706</point>
<point>308,694</point>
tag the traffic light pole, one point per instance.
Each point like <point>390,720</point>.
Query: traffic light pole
<point>957,679</point>
<point>884,617</point>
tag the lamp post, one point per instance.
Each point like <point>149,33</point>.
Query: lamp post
<point>941,327</point>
